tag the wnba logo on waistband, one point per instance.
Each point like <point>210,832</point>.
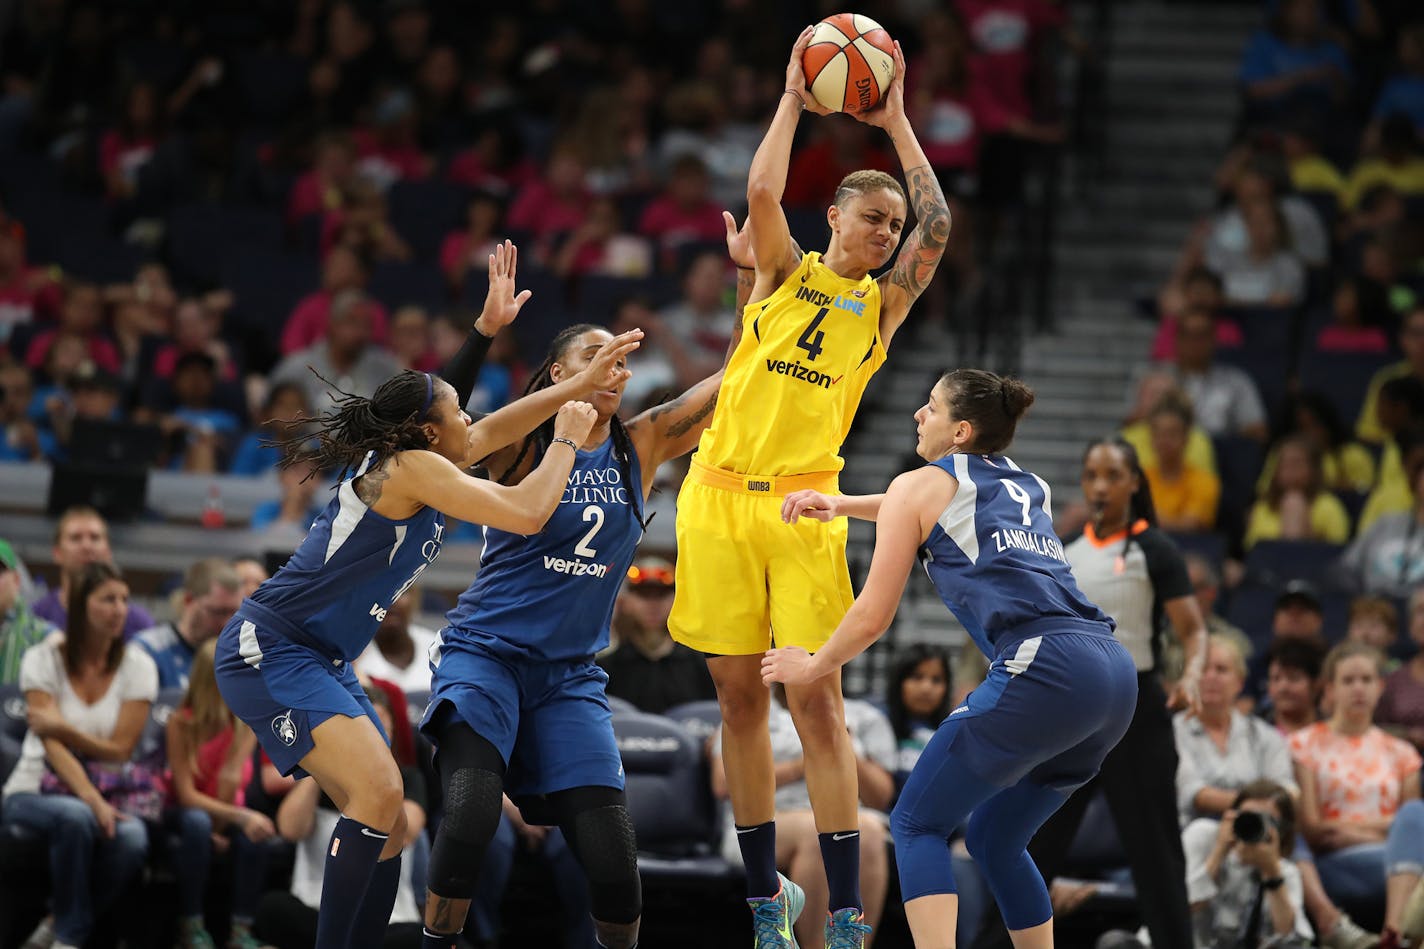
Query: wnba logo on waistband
<point>285,729</point>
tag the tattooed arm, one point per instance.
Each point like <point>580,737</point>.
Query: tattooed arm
<point>903,283</point>
<point>673,428</point>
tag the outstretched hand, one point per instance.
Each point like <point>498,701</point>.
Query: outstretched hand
<point>608,367</point>
<point>890,110</point>
<point>788,664</point>
<point>812,504</point>
<point>796,74</point>
<point>739,241</point>
<point>502,304</point>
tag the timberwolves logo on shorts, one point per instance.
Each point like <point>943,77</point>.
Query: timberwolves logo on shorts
<point>285,729</point>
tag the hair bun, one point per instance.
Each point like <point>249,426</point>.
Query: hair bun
<point>1017,397</point>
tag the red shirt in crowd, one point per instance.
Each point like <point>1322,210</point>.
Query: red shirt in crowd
<point>311,195</point>
<point>670,224</point>
<point>124,155</point>
<point>542,212</point>
<point>1003,32</point>
<point>307,324</point>
<point>953,124</point>
<point>30,294</point>
<point>1164,344</point>
<point>815,173</point>
<point>395,161</point>
<point>102,351</point>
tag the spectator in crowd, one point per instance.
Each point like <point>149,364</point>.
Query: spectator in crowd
<point>1185,496</point>
<point>27,293</point>
<point>1398,164</point>
<point>210,759</point>
<point>1399,408</point>
<point>1411,344</point>
<point>600,246</point>
<point>1360,308</point>
<point>816,171</point>
<point>88,694</point>
<point>1296,504</point>
<point>655,366</point>
<point>1264,273</point>
<point>1403,93</point>
<point>1227,876</point>
<point>1221,751</point>
<point>468,250</point>
<point>127,147</point>
<point>1293,684</point>
<point>362,224</point>
<point>1291,66</point>
<point>493,162</point>
<point>1153,386</point>
<point>1346,465</point>
<point>1388,557</point>
<point>1206,587</point>
<point>251,574</point>
<point>19,437</point>
<point>388,150</point>
<point>918,697</point>
<point>1297,616</point>
<point>283,403</point>
<point>1360,807</point>
<point>684,213</point>
<point>342,271</point>
<point>557,203</point>
<point>1256,180</point>
<point>211,593</point>
<point>798,853</point>
<point>323,187</point>
<point>144,315</point>
<point>1191,287</point>
<point>306,818</point>
<point>400,652</point>
<point>347,358</point>
<point>1310,171</point>
<point>647,668</point>
<point>702,319</point>
<point>197,328</point>
<point>1005,34</point>
<point>19,627</point>
<point>80,317</point>
<point>293,512</point>
<point>81,538</point>
<point>410,339</point>
<point>1224,400</point>
<point>1374,621</point>
<point>94,395</point>
<point>1401,708</point>
<point>201,431</point>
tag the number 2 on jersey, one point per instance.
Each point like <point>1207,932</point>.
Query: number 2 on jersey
<point>812,344</point>
<point>591,513</point>
<point>1019,495</point>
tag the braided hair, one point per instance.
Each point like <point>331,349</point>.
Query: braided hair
<point>1139,506</point>
<point>539,440</point>
<point>389,421</point>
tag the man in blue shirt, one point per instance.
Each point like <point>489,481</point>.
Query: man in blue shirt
<point>211,594</point>
<point>82,538</point>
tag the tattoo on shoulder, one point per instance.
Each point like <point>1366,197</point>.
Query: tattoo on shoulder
<point>368,486</point>
<point>917,261</point>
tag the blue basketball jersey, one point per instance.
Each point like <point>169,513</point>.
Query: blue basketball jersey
<point>995,560</point>
<point>551,594</point>
<point>334,591</point>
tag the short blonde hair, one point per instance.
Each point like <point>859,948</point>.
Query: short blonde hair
<point>865,181</point>
<point>1238,658</point>
<point>1351,649</point>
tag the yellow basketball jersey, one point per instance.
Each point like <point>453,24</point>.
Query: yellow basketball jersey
<point>792,387</point>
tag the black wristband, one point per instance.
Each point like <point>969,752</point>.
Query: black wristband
<point>464,367</point>
<point>1274,883</point>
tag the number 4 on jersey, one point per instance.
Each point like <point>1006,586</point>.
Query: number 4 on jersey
<point>810,343</point>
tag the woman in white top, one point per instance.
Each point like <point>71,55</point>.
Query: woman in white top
<point>89,694</point>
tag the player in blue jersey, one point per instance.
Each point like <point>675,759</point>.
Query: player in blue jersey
<point>517,703</point>
<point>283,662</point>
<point>1060,690</point>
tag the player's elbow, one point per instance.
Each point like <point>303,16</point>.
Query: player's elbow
<point>763,190</point>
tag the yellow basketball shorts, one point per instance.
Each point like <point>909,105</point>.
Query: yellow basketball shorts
<point>745,579</point>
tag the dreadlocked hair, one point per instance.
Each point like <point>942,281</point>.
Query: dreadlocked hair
<point>1139,506</point>
<point>538,441</point>
<point>388,422</point>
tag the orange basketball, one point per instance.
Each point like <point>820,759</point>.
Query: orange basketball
<point>849,63</point>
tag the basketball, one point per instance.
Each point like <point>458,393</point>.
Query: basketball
<point>849,62</point>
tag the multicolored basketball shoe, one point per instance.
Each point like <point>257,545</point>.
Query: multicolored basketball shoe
<point>773,918</point>
<point>845,929</point>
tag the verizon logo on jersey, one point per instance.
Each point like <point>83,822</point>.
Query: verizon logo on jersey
<point>576,568</point>
<point>805,373</point>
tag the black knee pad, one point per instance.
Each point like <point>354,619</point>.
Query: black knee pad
<point>472,774</point>
<point>603,840</point>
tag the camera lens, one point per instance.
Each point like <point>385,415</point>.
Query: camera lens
<point>1249,827</point>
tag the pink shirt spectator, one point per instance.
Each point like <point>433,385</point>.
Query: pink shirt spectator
<point>167,358</point>
<point>123,155</point>
<point>392,161</point>
<point>1359,777</point>
<point>102,351</point>
<point>30,295</point>
<point>311,195</point>
<point>542,212</point>
<point>307,324</point>
<point>816,173</point>
<point>468,170</point>
<point>668,224</point>
<point>1164,344</point>
<point>1352,339</point>
<point>1003,32</point>
<point>456,248</point>
<point>955,124</point>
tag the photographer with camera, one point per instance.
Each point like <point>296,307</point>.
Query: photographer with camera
<point>1243,888</point>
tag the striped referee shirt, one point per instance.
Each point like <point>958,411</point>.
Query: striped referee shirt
<point>1130,582</point>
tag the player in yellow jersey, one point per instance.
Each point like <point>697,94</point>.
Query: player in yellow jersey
<point>813,334</point>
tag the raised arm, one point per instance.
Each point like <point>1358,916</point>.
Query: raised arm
<point>507,425</point>
<point>672,429</point>
<point>766,179</point>
<point>739,248</point>
<point>502,305</point>
<point>909,508</point>
<point>430,479</point>
<point>902,285</point>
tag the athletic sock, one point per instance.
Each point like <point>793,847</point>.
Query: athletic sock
<point>841,854</point>
<point>350,862</point>
<point>374,914</point>
<point>758,846</point>
<point>430,940</point>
